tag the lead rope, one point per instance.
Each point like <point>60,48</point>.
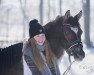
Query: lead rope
<point>68,69</point>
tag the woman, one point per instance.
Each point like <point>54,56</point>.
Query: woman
<point>37,53</point>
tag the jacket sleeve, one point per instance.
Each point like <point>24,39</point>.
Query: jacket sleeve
<point>11,55</point>
<point>28,55</point>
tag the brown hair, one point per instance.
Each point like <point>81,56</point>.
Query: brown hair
<point>38,58</point>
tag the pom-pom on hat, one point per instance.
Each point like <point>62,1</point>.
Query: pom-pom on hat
<point>35,28</point>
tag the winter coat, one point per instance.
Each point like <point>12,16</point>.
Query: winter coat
<point>32,66</point>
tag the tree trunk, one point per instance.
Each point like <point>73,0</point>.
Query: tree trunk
<point>41,11</point>
<point>60,6</point>
<point>49,9</point>
<point>23,8</point>
<point>0,2</point>
<point>86,10</point>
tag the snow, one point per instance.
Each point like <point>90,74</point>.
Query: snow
<point>84,67</point>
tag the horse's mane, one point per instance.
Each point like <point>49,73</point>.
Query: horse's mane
<point>53,36</point>
<point>48,27</point>
<point>57,20</point>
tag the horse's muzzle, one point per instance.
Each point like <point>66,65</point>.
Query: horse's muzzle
<point>79,55</point>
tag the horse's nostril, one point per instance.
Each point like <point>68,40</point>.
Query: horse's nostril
<point>78,49</point>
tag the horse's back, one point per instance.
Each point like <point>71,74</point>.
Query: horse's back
<point>10,60</point>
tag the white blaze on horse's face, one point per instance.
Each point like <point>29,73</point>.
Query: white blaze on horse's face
<point>75,29</point>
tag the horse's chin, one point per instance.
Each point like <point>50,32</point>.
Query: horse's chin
<point>79,57</point>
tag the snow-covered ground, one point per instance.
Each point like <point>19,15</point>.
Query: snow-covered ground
<point>85,67</point>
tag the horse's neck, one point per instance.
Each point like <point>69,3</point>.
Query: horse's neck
<point>56,47</point>
<point>54,42</point>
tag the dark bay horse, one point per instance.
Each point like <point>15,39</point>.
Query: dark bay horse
<point>63,34</point>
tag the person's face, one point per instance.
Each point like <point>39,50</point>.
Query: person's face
<point>40,39</point>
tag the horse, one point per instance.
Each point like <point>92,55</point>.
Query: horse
<point>63,34</point>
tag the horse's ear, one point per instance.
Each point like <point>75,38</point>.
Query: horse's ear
<point>78,16</point>
<point>67,15</point>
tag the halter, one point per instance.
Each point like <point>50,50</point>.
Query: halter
<point>69,51</point>
<point>77,42</point>
<point>74,43</point>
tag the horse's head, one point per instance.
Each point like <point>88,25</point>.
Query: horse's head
<point>72,36</point>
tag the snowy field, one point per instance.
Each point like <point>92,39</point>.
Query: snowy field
<point>85,67</point>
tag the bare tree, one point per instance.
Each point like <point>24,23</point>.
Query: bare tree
<point>49,9</point>
<point>60,7</point>
<point>86,10</point>
<point>0,2</point>
<point>25,17</point>
<point>8,25</point>
<point>41,11</point>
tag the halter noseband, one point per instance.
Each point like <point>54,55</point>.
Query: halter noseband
<point>75,43</point>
